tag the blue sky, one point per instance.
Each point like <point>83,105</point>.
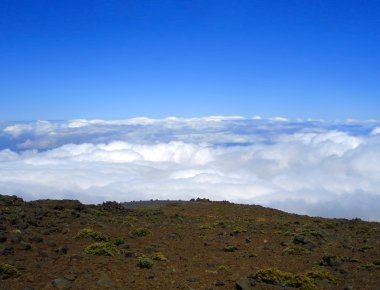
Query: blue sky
<point>122,59</point>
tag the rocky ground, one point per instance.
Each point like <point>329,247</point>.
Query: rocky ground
<point>62,244</point>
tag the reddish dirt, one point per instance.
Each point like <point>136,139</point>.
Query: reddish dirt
<point>38,238</point>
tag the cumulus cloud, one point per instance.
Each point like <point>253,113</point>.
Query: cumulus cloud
<point>308,167</point>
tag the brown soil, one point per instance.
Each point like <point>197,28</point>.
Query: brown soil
<point>38,238</point>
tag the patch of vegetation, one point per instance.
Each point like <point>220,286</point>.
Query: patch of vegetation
<point>91,234</point>
<point>205,227</point>
<point>220,224</point>
<point>98,212</point>
<point>332,261</point>
<point>304,281</point>
<point>158,256</point>
<point>177,217</point>
<point>229,248</point>
<point>222,268</point>
<point>102,249</point>
<point>8,271</point>
<point>144,262</point>
<point>295,251</point>
<point>366,247</point>
<point>139,232</point>
<point>370,266</point>
<point>239,230</point>
<point>119,241</point>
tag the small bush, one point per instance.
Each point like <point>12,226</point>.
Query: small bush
<point>229,248</point>
<point>91,234</point>
<point>102,249</point>
<point>205,227</point>
<point>7,271</point>
<point>139,232</point>
<point>295,251</point>
<point>305,281</point>
<point>158,256</point>
<point>119,241</point>
<point>144,262</point>
<point>239,230</point>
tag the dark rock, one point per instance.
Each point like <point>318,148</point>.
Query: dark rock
<point>332,261</point>
<point>219,283</point>
<point>3,237</point>
<point>36,239</point>
<point>299,240</point>
<point>310,246</point>
<point>61,250</point>
<point>127,254</point>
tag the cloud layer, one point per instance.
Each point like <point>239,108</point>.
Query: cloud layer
<point>308,167</point>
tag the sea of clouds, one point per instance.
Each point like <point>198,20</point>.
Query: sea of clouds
<point>329,169</point>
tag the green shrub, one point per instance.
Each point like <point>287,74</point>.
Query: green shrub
<point>295,251</point>
<point>239,230</point>
<point>144,262</point>
<point>158,256</point>
<point>102,249</point>
<point>119,241</point>
<point>7,271</point>
<point>91,234</point>
<point>139,232</point>
<point>304,281</point>
<point>229,248</point>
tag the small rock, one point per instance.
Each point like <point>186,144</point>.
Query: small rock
<point>61,250</point>
<point>310,246</point>
<point>244,284</point>
<point>219,283</point>
<point>105,280</point>
<point>298,239</point>
<point>332,261</point>
<point>61,283</point>
<point>44,253</point>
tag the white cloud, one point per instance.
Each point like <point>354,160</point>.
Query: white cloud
<point>305,167</point>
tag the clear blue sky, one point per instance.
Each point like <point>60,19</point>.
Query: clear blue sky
<point>119,59</point>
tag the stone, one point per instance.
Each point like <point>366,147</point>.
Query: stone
<point>105,280</point>
<point>245,284</point>
<point>61,283</point>
<point>3,238</point>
